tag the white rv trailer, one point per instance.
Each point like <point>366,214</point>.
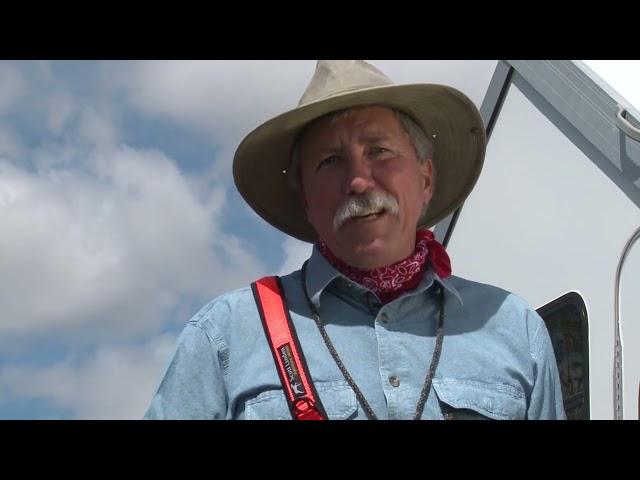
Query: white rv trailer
<point>554,218</point>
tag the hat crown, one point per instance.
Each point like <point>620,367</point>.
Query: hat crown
<point>334,77</point>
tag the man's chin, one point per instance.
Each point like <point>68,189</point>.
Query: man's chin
<point>364,252</point>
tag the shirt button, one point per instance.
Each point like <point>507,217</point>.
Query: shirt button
<point>393,380</point>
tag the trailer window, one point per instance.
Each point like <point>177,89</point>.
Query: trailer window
<point>566,320</point>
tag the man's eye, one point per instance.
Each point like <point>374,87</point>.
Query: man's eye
<point>330,160</point>
<point>378,150</point>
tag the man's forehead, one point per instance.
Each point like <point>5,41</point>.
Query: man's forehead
<point>364,117</point>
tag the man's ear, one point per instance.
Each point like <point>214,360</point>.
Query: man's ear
<point>427,175</point>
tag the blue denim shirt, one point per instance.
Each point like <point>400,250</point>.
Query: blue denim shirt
<point>497,361</point>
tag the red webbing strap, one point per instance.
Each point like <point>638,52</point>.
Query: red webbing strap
<point>301,394</point>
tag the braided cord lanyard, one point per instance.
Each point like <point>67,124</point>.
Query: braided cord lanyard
<point>426,387</point>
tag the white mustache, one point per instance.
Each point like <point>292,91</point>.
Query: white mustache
<point>364,204</point>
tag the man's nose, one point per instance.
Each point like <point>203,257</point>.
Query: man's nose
<point>358,174</point>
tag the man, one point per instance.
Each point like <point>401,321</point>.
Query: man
<point>378,326</point>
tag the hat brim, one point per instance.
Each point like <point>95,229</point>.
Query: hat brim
<point>447,116</point>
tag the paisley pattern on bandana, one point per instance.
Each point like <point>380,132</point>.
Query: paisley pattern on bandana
<point>388,283</point>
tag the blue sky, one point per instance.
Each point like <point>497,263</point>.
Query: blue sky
<point>120,218</point>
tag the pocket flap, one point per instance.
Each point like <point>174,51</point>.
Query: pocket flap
<point>499,401</point>
<point>338,399</point>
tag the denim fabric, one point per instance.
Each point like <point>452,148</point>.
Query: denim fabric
<point>497,361</point>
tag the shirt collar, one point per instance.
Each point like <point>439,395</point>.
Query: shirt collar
<point>320,273</point>
<point>430,276</point>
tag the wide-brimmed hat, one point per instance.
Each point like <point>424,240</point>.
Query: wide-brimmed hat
<point>449,118</point>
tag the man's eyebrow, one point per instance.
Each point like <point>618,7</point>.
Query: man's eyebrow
<point>368,137</point>
<point>376,136</point>
<point>325,150</point>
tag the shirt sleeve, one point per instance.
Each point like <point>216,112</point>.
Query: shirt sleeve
<point>545,402</point>
<point>193,385</point>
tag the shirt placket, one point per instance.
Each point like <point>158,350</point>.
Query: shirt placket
<point>392,362</point>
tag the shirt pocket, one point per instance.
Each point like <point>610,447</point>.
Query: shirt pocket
<point>475,400</point>
<point>338,399</point>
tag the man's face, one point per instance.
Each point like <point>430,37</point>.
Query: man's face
<point>366,151</point>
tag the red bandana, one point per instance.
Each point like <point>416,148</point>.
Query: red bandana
<point>392,281</point>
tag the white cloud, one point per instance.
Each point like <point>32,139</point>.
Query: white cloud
<point>11,86</point>
<point>111,247</point>
<point>10,144</point>
<point>296,252</point>
<point>221,97</point>
<point>60,107</point>
<point>114,383</point>
<point>99,240</point>
<point>97,128</point>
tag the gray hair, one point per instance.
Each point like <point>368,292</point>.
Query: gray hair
<point>419,139</point>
